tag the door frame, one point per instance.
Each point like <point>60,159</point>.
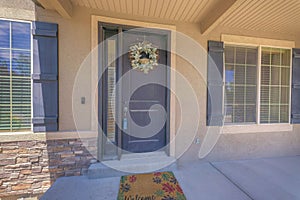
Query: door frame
<point>97,37</point>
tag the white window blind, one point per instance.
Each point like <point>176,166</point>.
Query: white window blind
<point>15,76</point>
<point>241,69</point>
<point>240,84</point>
<point>111,82</point>
<point>275,85</point>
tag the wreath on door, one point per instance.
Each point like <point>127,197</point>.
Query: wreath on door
<point>143,56</point>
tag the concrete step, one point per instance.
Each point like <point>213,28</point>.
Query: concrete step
<point>133,164</point>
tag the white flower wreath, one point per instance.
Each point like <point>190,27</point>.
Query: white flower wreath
<point>143,56</point>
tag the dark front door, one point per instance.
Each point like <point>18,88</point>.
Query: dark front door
<point>135,106</point>
<point>144,96</point>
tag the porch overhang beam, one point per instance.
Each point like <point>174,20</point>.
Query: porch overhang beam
<point>218,14</point>
<point>63,7</point>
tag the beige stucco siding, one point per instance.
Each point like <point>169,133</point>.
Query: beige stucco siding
<point>17,9</point>
<point>75,45</point>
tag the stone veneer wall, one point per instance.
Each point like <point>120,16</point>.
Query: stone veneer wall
<point>29,168</point>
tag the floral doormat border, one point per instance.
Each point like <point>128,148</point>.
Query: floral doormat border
<point>153,186</point>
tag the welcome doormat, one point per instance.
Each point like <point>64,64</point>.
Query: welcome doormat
<point>153,186</point>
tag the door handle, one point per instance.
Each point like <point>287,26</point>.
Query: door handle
<point>125,122</point>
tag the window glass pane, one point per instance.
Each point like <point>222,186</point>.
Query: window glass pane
<point>229,55</point>
<point>15,77</point>
<point>285,76</point>
<point>275,57</point>
<point>21,63</point>
<point>111,62</point>
<point>274,114</point>
<point>4,34</point>
<point>266,56</point>
<point>110,49</point>
<point>275,75</point>
<point>252,56</point>
<point>229,74</point>
<point>4,62</point>
<point>264,95</point>
<point>264,113</point>
<point>265,75</point>
<point>275,80</point>
<point>284,114</point>
<point>251,113</point>
<point>21,90</point>
<point>275,98</point>
<point>251,73</point>
<point>238,114</point>
<point>239,94</point>
<point>229,89</point>
<point>240,75</point>
<point>21,87</point>
<point>5,103</point>
<point>229,92</point>
<point>21,118</point>
<point>285,57</point>
<point>240,55</point>
<point>251,94</point>
<point>4,90</point>
<point>21,35</point>
<point>240,84</point>
<point>285,95</point>
<point>229,114</point>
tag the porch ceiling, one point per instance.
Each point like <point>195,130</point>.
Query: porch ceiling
<point>178,10</point>
<point>280,16</point>
<point>266,15</point>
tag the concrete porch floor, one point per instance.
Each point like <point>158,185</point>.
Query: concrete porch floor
<point>260,179</point>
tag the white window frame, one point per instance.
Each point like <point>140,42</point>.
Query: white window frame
<point>258,43</point>
<point>31,68</point>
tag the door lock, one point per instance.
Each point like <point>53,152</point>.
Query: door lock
<point>125,110</point>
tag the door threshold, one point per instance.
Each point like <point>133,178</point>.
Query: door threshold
<point>133,164</point>
<point>141,162</point>
<point>133,156</point>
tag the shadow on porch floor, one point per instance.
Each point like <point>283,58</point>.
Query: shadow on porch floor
<point>274,178</point>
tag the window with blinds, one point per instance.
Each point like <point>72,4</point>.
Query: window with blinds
<point>275,85</point>
<point>240,84</point>
<point>15,76</point>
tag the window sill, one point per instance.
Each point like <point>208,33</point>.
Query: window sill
<point>256,128</point>
<point>21,136</point>
<point>60,135</point>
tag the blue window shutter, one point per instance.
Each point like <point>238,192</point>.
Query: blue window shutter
<point>45,76</point>
<point>295,104</point>
<point>215,64</point>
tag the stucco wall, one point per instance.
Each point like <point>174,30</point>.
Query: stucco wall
<point>75,45</point>
<point>17,9</point>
